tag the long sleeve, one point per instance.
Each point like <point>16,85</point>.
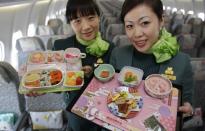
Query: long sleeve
<point>113,58</point>
<point>188,82</point>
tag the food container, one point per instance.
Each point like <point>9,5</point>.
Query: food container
<point>55,57</point>
<point>124,103</point>
<point>158,86</point>
<point>37,57</point>
<point>74,79</point>
<point>73,55</point>
<point>130,76</point>
<point>104,72</point>
<point>42,78</point>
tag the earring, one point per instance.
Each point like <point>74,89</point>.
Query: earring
<point>161,28</point>
<point>160,31</point>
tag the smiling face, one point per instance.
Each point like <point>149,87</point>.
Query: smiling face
<point>142,27</point>
<point>86,27</point>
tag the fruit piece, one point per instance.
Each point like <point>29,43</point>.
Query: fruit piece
<point>104,74</point>
<point>71,82</point>
<point>79,80</point>
<point>78,74</point>
<point>70,74</point>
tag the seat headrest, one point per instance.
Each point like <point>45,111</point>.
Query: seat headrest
<point>44,30</point>
<point>8,73</point>
<point>29,44</point>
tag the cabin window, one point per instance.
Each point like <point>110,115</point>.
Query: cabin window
<point>2,52</point>
<point>201,15</point>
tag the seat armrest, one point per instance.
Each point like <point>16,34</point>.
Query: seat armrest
<point>22,121</point>
<point>195,121</point>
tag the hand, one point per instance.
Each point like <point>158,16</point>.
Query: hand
<point>34,94</point>
<point>87,70</point>
<point>186,109</point>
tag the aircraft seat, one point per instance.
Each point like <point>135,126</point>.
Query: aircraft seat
<point>44,30</point>
<point>12,104</point>
<point>25,45</point>
<point>189,43</point>
<point>55,24</point>
<point>121,40</point>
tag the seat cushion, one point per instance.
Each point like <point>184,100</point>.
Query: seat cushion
<point>6,121</point>
<point>47,120</point>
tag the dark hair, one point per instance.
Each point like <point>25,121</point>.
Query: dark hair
<point>83,7</point>
<point>155,5</point>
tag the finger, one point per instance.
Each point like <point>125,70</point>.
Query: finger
<point>187,104</point>
<point>32,94</point>
<point>38,94</point>
<point>184,109</point>
<point>35,93</point>
<point>29,95</point>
